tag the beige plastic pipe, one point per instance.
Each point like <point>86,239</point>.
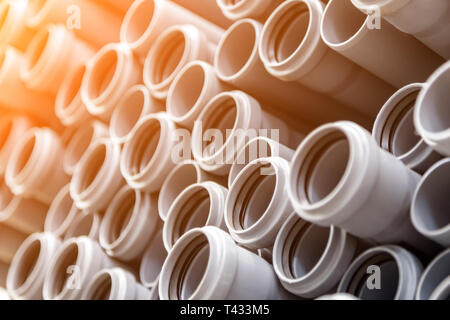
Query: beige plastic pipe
<point>3,274</point>
<point>84,224</point>
<point>152,261</point>
<point>255,9</point>
<point>237,62</point>
<point>208,9</point>
<point>172,50</point>
<point>147,19</point>
<point>291,49</point>
<point>428,21</point>
<point>13,30</point>
<point>109,75</point>
<point>121,5</point>
<point>350,32</point>
<point>10,240</point>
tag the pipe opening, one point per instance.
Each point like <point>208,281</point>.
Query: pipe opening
<point>128,114</point>
<point>24,155</point>
<point>91,167</point>
<point>27,263</point>
<point>153,260</point>
<point>101,288</point>
<point>5,130</point>
<point>60,275</point>
<point>255,149</point>
<point>122,216</point>
<point>73,87</point>
<point>438,271</point>
<point>140,20</point>
<point>102,74</point>
<point>78,145</point>
<point>37,48</point>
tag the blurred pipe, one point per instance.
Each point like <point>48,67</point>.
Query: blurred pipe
<point>431,117</point>
<point>172,50</point>
<point>13,31</point>
<point>29,266</point>
<point>67,134</point>
<point>152,261</point>
<point>350,32</point>
<point>3,273</point>
<point>255,9</point>
<point>84,224</point>
<point>122,5</point>
<point>442,291</point>
<point>434,277</point>
<point>97,177</point>
<point>10,240</point>
<point>398,270</point>
<point>129,223</point>
<point>394,130</point>
<point>136,104</point>
<point>200,204</point>
<point>208,9</point>
<point>34,168</point>
<point>257,203</point>
<point>428,22</point>
<point>430,205</point>
<point>291,49</point>
<point>109,75</point>
<point>3,294</point>
<point>204,254</point>
<point>147,19</point>
<point>337,296</point>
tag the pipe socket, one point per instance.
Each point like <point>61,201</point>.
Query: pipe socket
<point>255,9</point>
<point>11,239</point>
<point>434,283</point>
<point>84,224</point>
<point>152,262</point>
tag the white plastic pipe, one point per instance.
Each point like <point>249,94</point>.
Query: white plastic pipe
<point>394,130</point>
<point>81,140</point>
<point>172,50</point>
<point>115,284</point>
<point>147,19</point>
<point>350,32</point>
<point>35,168</point>
<point>97,177</point>
<point>230,118</point>
<point>431,204</point>
<point>257,203</point>
<point>428,21</point>
<point>255,9</point>
<point>191,89</point>
<point>134,105</point>
<point>129,223</point>
<point>200,204</point>
<point>10,240</point>
<point>208,9</point>
<point>29,266</point>
<point>431,115</point>
<point>13,30</point>
<point>147,156</point>
<point>109,74</point>
<point>84,224</point>
<point>4,295</point>
<point>53,52</point>
<point>339,176</point>
<point>310,260</point>
<point>152,261</point>
<point>434,281</point>
<point>237,62</point>
<point>292,50</point>
<point>196,267</point>
<point>397,269</point>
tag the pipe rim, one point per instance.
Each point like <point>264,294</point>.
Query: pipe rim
<point>61,204</point>
<point>435,263</point>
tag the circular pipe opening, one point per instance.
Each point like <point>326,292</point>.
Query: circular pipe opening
<point>138,21</point>
<point>102,73</point>
<point>90,168</point>
<point>27,263</point>
<point>100,288</point>
<point>128,113</point>
<point>59,276</point>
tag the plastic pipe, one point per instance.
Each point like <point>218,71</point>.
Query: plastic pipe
<point>29,266</point>
<point>202,258</point>
<point>430,205</point>
<point>72,267</point>
<point>109,74</point>
<point>115,284</point>
<point>11,239</point>
<point>394,130</point>
<point>191,89</point>
<point>348,31</point>
<point>147,156</point>
<point>310,260</point>
<point>152,261</point>
<point>81,140</point>
<point>257,203</point>
<point>291,49</point>
<point>129,223</point>
<point>339,176</point>
<point>397,269</point>
<point>35,168</point>
<point>208,9</point>
<point>238,63</point>
<point>259,147</point>
<point>84,224</point>
<point>255,9</point>
<point>200,204</point>
<point>4,295</point>
<point>428,22</point>
<point>136,103</point>
<point>231,117</point>
<point>3,274</point>
<point>172,50</point>
<point>53,52</point>
<point>154,292</point>
<point>97,177</point>
<point>24,215</point>
<point>431,116</point>
<point>67,134</point>
<point>13,30</point>
<point>434,281</point>
<point>147,19</point>
<point>122,5</point>
<point>89,20</point>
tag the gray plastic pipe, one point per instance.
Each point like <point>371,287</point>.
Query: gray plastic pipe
<point>434,283</point>
<point>350,32</point>
<point>431,204</point>
<point>29,266</point>
<point>310,260</point>
<point>129,223</point>
<point>10,240</point>
<point>255,9</point>
<point>340,176</point>
<point>196,266</point>
<point>398,273</point>
<point>291,49</point>
<point>115,284</point>
<point>428,21</point>
<point>152,261</point>
<point>172,50</point>
<point>431,116</point>
<point>13,30</point>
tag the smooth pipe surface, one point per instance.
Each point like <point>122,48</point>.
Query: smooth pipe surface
<point>434,281</point>
<point>152,261</point>
<point>84,224</point>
